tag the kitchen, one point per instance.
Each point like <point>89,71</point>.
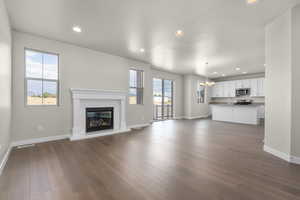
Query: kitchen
<point>239,100</point>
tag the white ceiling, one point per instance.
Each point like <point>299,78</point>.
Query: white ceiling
<point>224,33</point>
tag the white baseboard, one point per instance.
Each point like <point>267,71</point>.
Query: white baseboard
<point>82,137</point>
<point>277,153</point>
<point>196,117</point>
<point>178,118</point>
<point>4,160</point>
<point>39,140</point>
<point>295,160</point>
<point>137,126</point>
<point>284,156</point>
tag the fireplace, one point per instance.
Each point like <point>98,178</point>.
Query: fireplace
<point>98,119</point>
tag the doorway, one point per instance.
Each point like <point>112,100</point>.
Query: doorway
<point>163,100</point>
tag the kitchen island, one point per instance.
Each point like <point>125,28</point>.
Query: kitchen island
<point>244,114</point>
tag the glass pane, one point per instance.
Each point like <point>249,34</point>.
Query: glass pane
<point>132,78</point>
<point>168,87</point>
<point>140,95</point>
<point>34,92</point>
<point>132,96</point>
<point>140,79</point>
<point>157,98</point>
<point>49,93</point>
<point>50,66</point>
<point>201,94</point>
<point>34,64</point>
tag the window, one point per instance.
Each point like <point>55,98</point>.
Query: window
<point>200,93</point>
<point>41,78</point>
<point>136,86</point>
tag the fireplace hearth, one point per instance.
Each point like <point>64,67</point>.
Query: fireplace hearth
<point>101,118</point>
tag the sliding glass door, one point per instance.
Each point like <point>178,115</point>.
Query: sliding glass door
<point>162,99</point>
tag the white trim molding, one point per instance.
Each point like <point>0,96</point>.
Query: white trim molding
<point>39,140</point>
<point>137,126</point>
<point>178,117</point>
<point>295,160</point>
<point>103,133</point>
<point>287,157</point>
<point>196,117</point>
<point>277,153</point>
<point>84,98</point>
<point>5,159</point>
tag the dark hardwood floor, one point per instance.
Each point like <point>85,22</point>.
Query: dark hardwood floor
<point>171,160</point>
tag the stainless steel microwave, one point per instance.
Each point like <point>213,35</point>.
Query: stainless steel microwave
<point>242,92</point>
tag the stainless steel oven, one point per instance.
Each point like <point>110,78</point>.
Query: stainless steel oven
<point>242,92</point>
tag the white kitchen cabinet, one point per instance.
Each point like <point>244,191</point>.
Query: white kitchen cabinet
<point>223,89</point>
<point>254,87</point>
<point>261,112</point>
<point>245,114</point>
<point>230,89</point>
<point>246,83</point>
<point>242,84</point>
<point>227,88</point>
<point>222,113</point>
<point>238,84</point>
<point>257,87</point>
<point>218,90</point>
<point>236,114</point>
<point>261,87</point>
<point>214,91</point>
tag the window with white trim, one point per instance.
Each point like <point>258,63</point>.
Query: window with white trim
<point>41,78</point>
<point>136,86</point>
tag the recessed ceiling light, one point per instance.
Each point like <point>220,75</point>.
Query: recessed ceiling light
<point>252,1</point>
<point>77,29</point>
<point>265,65</point>
<point>237,69</point>
<point>223,75</point>
<point>179,33</point>
<point>142,50</point>
<point>245,72</point>
<point>215,72</point>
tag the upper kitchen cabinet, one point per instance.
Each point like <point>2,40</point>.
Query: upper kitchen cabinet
<point>224,89</point>
<point>228,88</point>
<point>257,87</point>
<point>261,87</point>
<point>242,84</point>
<point>254,87</point>
<point>218,90</point>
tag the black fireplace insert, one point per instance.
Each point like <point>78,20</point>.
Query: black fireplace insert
<point>98,119</point>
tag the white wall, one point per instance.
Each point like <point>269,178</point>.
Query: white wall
<point>79,68</point>
<point>178,90</point>
<point>278,84</point>
<point>191,108</point>
<point>295,139</point>
<point>5,80</point>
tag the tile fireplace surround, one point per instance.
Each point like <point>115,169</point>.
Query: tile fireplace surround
<point>86,98</point>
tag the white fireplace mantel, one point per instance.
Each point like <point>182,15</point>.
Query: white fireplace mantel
<point>85,98</point>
